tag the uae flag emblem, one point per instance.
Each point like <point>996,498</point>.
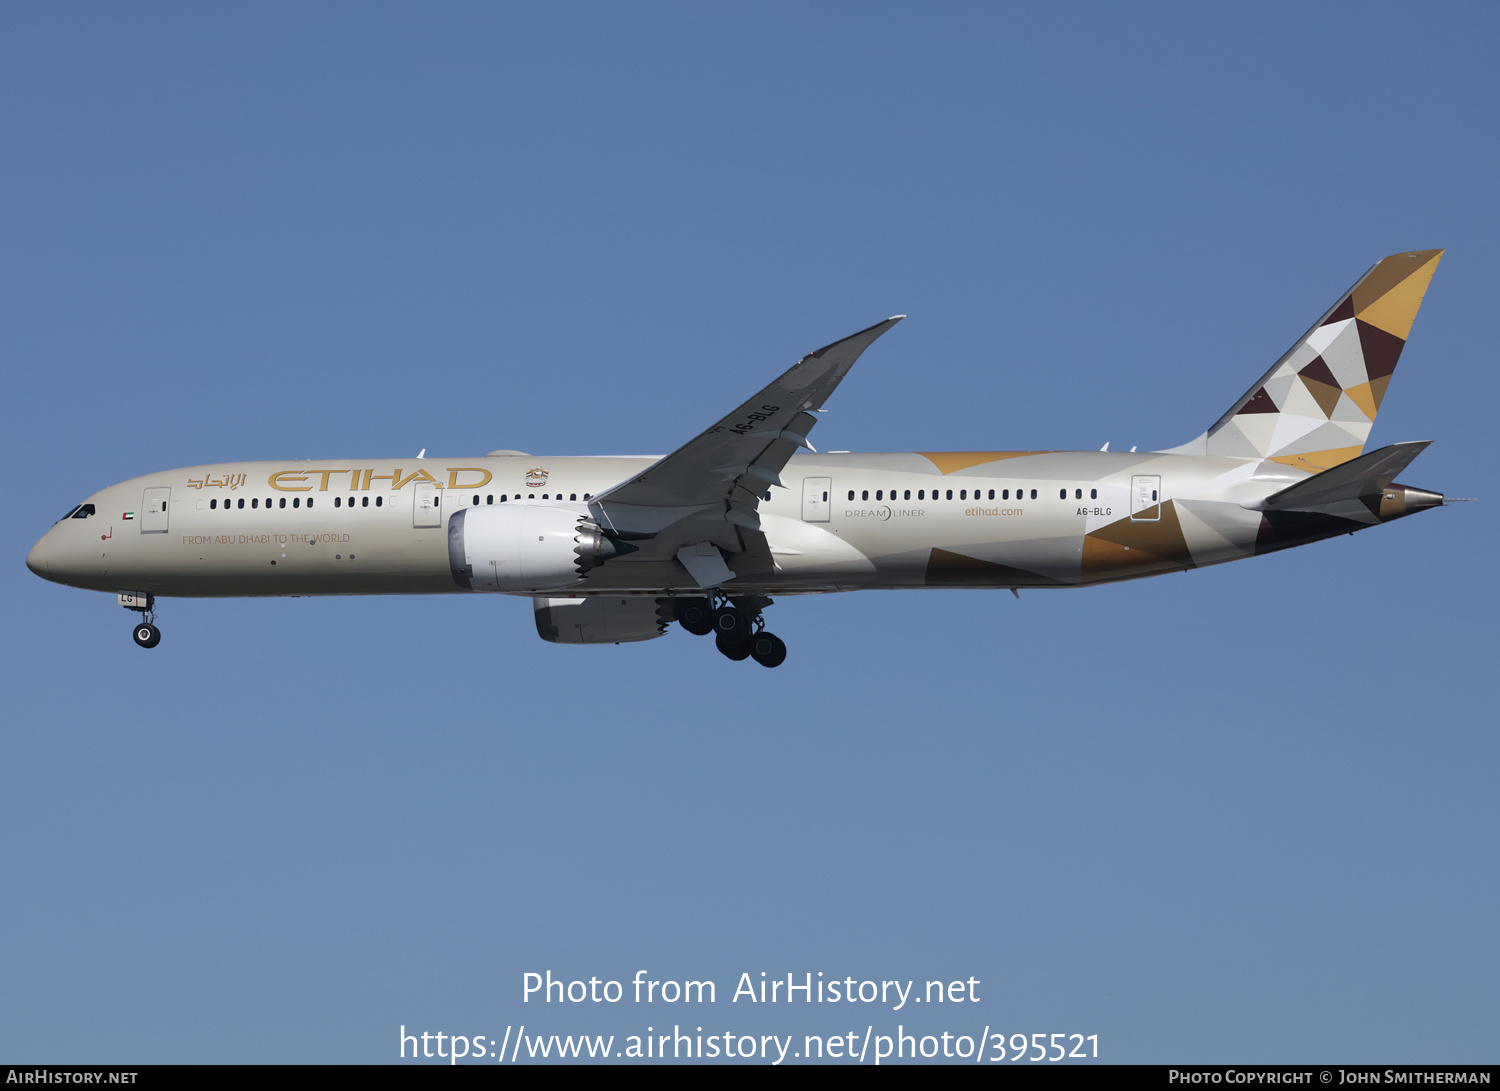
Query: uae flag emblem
<point>128,515</point>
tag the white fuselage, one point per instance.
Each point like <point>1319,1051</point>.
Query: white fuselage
<point>993,519</point>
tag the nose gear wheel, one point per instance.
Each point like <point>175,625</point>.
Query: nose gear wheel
<point>146,634</point>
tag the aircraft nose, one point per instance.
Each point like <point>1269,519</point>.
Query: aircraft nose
<point>36,560</point>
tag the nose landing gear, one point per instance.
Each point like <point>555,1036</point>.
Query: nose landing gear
<point>146,634</point>
<point>738,628</point>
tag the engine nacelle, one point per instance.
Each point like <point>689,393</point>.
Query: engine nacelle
<point>599,619</point>
<point>525,547</point>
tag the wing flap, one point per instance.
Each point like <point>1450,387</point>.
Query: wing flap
<point>705,564</point>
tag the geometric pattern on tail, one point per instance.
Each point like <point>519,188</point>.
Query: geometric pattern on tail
<point>1313,410</point>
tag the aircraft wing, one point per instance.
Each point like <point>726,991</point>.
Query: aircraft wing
<point>710,488</point>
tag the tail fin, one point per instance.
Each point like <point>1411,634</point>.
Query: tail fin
<point>1314,409</point>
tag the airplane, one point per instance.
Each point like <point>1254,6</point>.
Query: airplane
<point>616,549</point>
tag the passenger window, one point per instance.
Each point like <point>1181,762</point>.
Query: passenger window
<point>851,494</point>
<point>254,502</point>
<point>1062,494</point>
<point>364,501</point>
<point>379,500</point>
<point>865,495</point>
<point>877,494</point>
<point>574,496</point>
<point>489,498</point>
<point>1004,494</point>
<point>241,504</point>
<point>950,494</point>
<point>296,501</point>
<point>212,504</point>
<point>476,500</point>
<point>1077,494</point>
<point>992,494</point>
<point>1093,494</point>
<point>337,502</point>
<point>1033,494</point>
<point>283,502</point>
<point>906,495</point>
<point>921,494</point>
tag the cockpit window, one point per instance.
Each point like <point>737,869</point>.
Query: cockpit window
<point>82,511</point>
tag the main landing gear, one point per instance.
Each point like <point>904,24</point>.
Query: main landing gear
<point>738,628</point>
<point>146,634</point>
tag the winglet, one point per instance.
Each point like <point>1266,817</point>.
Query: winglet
<point>823,369</point>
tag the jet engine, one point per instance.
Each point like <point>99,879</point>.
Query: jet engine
<point>526,547</point>
<point>600,619</point>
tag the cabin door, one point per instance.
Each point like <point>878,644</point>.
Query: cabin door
<point>816,493</point>
<point>427,506</point>
<point>154,509</point>
<point>1145,498</point>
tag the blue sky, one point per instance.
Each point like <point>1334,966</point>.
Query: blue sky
<point>1248,815</point>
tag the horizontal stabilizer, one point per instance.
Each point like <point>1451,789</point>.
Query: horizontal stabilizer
<point>1363,476</point>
